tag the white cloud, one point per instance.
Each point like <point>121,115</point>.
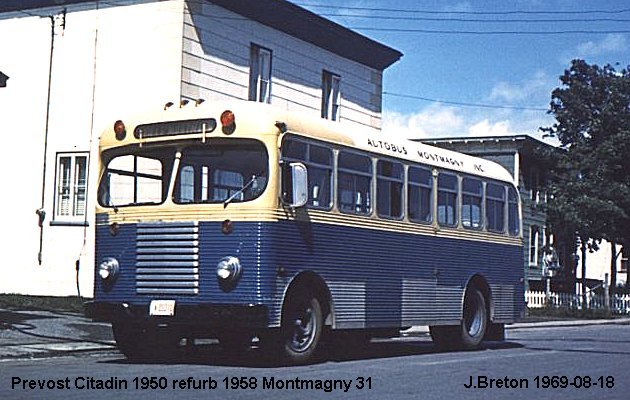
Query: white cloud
<point>510,92</point>
<point>611,43</point>
<point>432,121</point>
<point>437,121</point>
<point>487,128</point>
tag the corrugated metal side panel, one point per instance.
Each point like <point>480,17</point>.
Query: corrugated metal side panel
<point>506,302</point>
<point>122,247</point>
<point>418,301</point>
<point>384,279</point>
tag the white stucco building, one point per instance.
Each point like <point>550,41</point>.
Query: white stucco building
<point>70,68</point>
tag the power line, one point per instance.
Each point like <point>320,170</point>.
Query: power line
<point>471,32</point>
<point>451,19</point>
<point>508,12</point>
<point>463,104</point>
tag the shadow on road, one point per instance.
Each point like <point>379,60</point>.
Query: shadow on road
<point>213,354</point>
<point>36,324</point>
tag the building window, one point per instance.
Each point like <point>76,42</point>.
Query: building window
<point>71,186</point>
<point>260,74</point>
<point>534,232</point>
<point>331,96</point>
<point>534,186</point>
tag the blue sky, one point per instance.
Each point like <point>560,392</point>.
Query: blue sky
<point>497,69</point>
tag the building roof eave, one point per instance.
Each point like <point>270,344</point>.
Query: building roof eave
<point>281,15</point>
<point>312,28</point>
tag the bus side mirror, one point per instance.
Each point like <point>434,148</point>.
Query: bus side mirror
<point>294,184</point>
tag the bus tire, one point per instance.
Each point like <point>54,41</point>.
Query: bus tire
<point>474,319</point>
<point>472,329</point>
<point>301,329</point>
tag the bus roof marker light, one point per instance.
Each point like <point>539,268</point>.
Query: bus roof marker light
<point>119,130</point>
<point>228,122</point>
<point>168,105</point>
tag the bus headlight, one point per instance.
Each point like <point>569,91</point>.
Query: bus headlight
<point>229,269</point>
<point>108,269</point>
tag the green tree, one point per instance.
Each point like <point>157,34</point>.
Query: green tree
<point>589,182</point>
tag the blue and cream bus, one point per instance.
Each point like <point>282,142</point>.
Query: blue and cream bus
<point>234,221</point>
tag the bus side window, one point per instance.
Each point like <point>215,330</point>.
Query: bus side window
<point>513,217</point>
<point>420,195</point>
<point>389,184</point>
<point>495,207</point>
<point>447,199</point>
<point>472,194</point>
<point>320,167</point>
<point>354,183</point>
<point>319,164</point>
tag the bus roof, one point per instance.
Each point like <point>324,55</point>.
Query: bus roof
<point>260,117</point>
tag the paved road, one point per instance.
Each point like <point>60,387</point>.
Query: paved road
<point>578,362</point>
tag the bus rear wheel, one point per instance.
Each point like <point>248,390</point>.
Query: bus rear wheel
<point>470,333</point>
<point>301,329</point>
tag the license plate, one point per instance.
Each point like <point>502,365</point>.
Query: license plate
<point>162,307</point>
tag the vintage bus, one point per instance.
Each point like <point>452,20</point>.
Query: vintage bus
<point>239,221</point>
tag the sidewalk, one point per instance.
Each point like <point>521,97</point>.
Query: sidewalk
<point>34,334</point>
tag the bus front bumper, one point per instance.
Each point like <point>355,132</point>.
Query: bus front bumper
<point>207,315</point>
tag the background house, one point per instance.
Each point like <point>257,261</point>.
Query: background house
<point>518,154</point>
<point>78,66</point>
<point>521,156</point>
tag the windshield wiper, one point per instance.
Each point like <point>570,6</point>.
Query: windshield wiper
<point>240,191</point>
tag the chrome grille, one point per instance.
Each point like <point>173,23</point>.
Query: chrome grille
<point>167,260</point>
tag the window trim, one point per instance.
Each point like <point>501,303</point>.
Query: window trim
<point>73,218</point>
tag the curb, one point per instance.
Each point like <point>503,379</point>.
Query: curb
<point>422,330</point>
<point>41,350</point>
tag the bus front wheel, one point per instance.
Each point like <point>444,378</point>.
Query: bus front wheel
<point>301,330</point>
<point>470,333</point>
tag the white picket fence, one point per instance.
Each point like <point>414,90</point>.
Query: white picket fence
<point>534,299</point>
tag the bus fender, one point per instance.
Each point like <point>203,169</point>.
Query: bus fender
<point>309,280</point>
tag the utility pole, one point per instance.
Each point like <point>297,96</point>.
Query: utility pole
<point>41,213</point>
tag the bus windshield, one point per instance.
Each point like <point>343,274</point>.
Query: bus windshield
<point>221,173</point>
<point>137,178</point>
<point>211,173</point>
